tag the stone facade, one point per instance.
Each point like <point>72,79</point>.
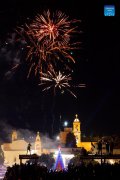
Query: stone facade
<point>16,147</point>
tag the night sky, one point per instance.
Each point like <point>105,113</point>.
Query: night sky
<point>22,105</point>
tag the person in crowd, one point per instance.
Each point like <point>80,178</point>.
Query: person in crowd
<point>100,147</point>
<point>107,148</point>
<point>111,147</point>
<point>29,148</point>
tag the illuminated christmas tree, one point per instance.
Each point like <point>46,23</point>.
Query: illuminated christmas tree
<point>59,165</point>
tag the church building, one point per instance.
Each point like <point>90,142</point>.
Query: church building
<point>18,146</point>
<point>76,130</point>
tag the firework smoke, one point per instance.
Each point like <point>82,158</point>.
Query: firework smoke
<point>10,54</point>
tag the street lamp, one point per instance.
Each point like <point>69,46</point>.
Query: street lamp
<point>65,123</point>
<point>58,138</point>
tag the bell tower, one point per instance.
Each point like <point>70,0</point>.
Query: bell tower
<point>14,135</point>
<point>77,130</point>
<point>38,144</point>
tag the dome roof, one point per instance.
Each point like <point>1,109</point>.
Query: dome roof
<point>76,118</point>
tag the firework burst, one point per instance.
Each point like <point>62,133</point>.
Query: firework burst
<point>48,39</point>
<point>54,28</point>
<point>55,81</point>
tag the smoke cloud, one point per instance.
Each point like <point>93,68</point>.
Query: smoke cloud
<point>26,134</point>
<point>11,53</point>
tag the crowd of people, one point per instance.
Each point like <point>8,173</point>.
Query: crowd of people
<point>81,172</point>
<point>101,144</point>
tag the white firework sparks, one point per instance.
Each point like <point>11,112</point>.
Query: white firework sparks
<point>54,80</point>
